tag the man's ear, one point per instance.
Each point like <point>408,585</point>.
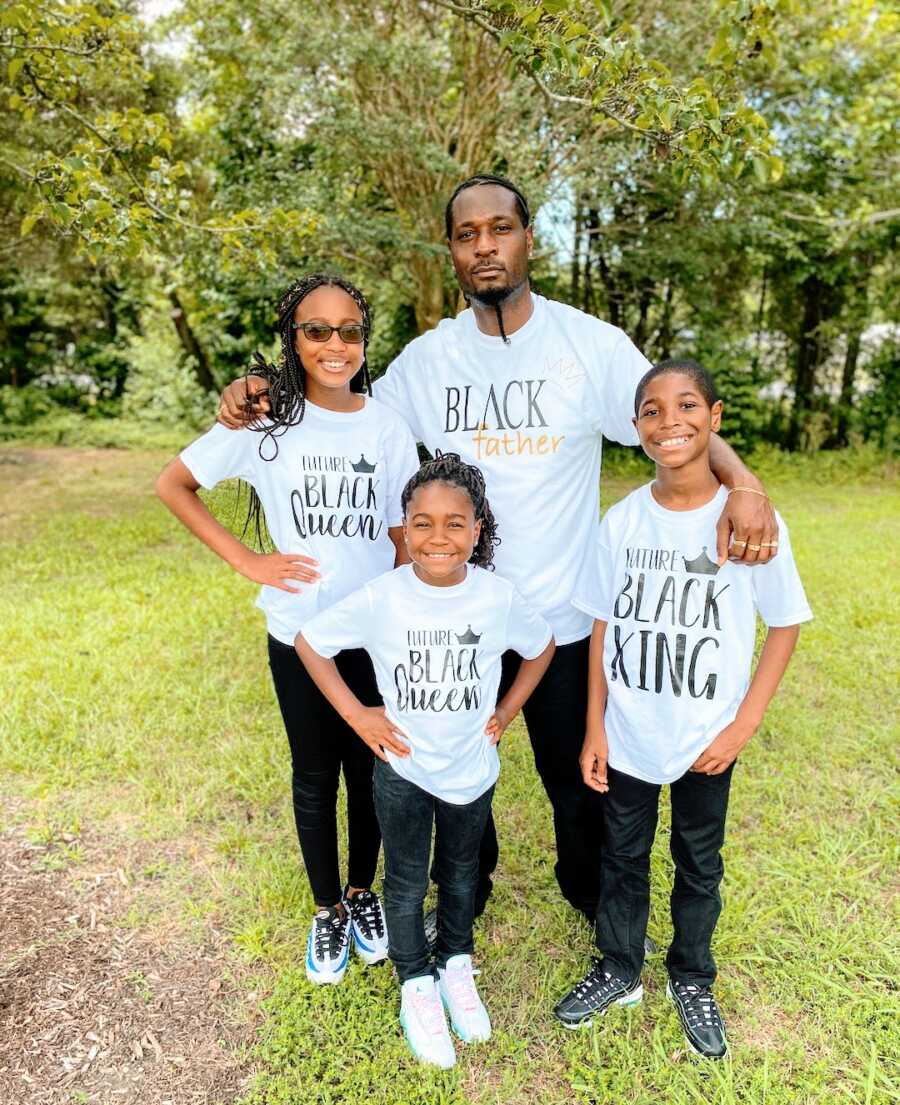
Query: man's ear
<point>716,416</point>
<point>529,238</point>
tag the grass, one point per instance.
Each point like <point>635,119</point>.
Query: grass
<point>137,701</point>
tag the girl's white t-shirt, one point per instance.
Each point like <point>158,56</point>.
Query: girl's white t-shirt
<point>330,493</point>
<point>436,653</point>
<point>531,415</point>
<point>680,630</point>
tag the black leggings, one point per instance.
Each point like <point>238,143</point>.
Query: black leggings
<point>321,744</point>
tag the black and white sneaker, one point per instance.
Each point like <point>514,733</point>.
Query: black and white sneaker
<point>596,992</point>
<point>431,930</point>
<point>700,1018</point>
<point>368,926</point>
<point>328,946</point>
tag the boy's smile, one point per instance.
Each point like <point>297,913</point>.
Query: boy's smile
<point>674,420</point>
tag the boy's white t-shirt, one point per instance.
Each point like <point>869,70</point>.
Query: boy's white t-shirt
<point>530,414</point>
<point>330,493</point>
<point>436,653</point>
<point>680,631</point>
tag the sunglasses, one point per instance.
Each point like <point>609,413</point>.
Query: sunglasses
<point>351,332</point>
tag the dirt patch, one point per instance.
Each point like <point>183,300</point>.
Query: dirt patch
<point>94,1011</point>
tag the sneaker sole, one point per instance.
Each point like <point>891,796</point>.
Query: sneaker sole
<point>626,1001</point>
<point>422,1058</point>
<point>370,958</point>
<point>320,979</point>
<point>700,1054</point>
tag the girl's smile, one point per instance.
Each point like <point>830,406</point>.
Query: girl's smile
<point>440,532</point>
<point>330,365</point>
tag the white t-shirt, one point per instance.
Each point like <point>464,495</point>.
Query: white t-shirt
<point>436,653</point>
<point>530,414</point>
<point>680,631</point>
<point>331,493</point>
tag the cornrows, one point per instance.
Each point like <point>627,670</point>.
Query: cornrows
<point>287,379</point>
<point>449,468</point>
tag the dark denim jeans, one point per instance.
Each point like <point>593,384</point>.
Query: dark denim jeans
<point>555,717</point>
<point>699,808</point>
<point>406,814</point>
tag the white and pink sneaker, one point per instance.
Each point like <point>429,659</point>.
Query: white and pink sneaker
<point>424,1023</point>
<point>468,1015</point>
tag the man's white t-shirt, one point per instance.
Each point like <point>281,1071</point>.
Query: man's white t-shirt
<point>680,631</point>
<point>530,414</point>
<point>436,653</point>
<point>331,493</point>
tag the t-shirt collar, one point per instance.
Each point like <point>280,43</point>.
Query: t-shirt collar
<point>523,334</point>
<point>455,591</point>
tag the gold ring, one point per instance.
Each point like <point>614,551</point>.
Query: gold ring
<point>754,548</point>
<point>739,542</point>
<point>769,545</point>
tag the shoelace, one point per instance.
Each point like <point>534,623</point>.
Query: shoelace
<point>700,1009</point>
<point>330,935</point>
<point>430,1012</point>
<point>367,913</point>
<point>462,987</point>
<point>594,982</point>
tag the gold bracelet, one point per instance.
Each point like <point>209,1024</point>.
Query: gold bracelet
<point>751,490</point>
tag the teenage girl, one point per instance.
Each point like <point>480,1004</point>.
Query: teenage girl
<point>670,697</point>
<point>327,466</point>
<point>436,630</point>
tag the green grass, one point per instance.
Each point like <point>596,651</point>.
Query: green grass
<point>137,701</point>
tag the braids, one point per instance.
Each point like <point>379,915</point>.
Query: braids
<point>448,468</point>
<point>287,379</point>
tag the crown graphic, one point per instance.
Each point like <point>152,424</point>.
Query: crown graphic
<point>362,465</point>
<point>468,638</point>
<point>701,565</point>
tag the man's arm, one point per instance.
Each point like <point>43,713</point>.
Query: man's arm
<point>748,514</point>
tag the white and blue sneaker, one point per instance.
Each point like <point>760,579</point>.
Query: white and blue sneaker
<point>368,926</point>
<point>424,1024</point>
<point>328,946</point>
<point>468,1015</point>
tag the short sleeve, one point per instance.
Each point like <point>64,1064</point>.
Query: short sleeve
<point>777,589</point>
<point>526,631</point>
<point>621,374</point>
<point>220,455</point>
<point>594,586</point>
<point>395,391</point>
<point>342,626</point>
<point>403,463</point>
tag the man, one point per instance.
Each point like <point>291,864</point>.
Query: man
<point>526,388</point>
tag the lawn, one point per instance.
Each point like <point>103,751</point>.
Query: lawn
<point>138,710</point>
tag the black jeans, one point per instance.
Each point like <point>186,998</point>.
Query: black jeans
<point>699,808</point>
<point>555,717</point>
<point>407,813</point>
<point>321,744</point>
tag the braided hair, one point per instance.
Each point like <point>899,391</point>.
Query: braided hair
<point>287,378</point>
<point>448,468</point>
<point>521,207</point>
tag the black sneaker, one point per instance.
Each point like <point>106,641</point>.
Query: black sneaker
<point>596,992</point>
<point>431,930</point>
<point>700,1018</point>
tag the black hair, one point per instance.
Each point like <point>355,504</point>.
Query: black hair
<point>449,468</point>
<point>287,378</point>
<point>683,366</point>
<point>521,208</point>
<point>486,178</point>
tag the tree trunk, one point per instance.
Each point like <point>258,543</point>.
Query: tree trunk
<point>576,254</point>
<point>664,339</point>
<point>840,437</point>
<point>191,346</point>
<point>646,298</point>
<point>809,356</point>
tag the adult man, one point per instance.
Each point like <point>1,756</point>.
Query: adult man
<point>526,388</point>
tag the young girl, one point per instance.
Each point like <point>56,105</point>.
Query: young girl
<point>436,630</point>
<point>327,465</point>
<point>669,701</point>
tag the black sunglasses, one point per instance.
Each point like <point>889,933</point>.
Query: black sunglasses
<point>351,332</point>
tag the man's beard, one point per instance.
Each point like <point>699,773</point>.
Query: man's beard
<point>493,297</point>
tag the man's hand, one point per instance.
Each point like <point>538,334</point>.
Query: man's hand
<point>234,409</point>
<point>274,569</point>
<point>497,726</point>
<point>371,724</point>
<point>594,754</point>
<point>724,750</point>
<point>751,520</point>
